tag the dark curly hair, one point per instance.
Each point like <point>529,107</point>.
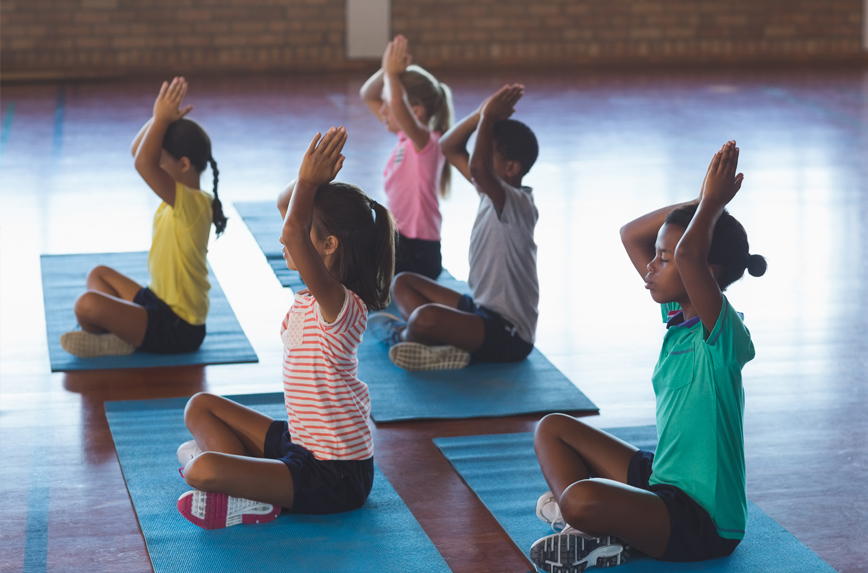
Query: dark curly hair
<point>729,247</point>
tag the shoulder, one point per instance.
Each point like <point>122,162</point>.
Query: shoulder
<point>730,336</point>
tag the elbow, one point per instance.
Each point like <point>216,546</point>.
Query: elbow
<point>687,253</point>
<point>293,231</point>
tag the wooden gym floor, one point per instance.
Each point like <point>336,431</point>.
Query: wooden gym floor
<point>613,146</point>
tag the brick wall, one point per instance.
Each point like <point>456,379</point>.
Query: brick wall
<point>626,32</point>
<point>79,38</point>
<point>122,37</point>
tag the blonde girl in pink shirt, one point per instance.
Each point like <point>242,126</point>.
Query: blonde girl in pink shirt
<point>414,105</point>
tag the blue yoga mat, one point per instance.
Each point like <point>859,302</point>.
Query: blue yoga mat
<point>481,390</point>
<point>503,471</point>
<point>381,537</point>
<point>263,220</point>
<point>63,280</point>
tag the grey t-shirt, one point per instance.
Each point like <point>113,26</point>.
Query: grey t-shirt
<point>503,260</point>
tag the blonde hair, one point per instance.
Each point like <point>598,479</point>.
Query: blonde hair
<point>436,99</point>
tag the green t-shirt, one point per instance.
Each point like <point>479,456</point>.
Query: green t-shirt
<point>700,412</point>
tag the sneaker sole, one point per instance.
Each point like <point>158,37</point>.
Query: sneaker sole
<point>573,554</point>
<point>87,345</point>
<point>212,512</point>
<point>414,356</point>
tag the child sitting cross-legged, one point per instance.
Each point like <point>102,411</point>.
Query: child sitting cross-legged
<point>441,328</point>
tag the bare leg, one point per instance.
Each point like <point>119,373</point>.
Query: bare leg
<point>108,281</point>
<point>232,437</point>
<point>568,451</point>
<point>108,306</point>
<point>432,314</point>
<point>411,290</point>
<point>98,312</point>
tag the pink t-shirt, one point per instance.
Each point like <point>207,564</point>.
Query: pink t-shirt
<point>412,185</point>
<point>328,406</point>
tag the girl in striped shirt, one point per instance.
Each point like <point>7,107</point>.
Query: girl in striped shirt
<point>320,460</point>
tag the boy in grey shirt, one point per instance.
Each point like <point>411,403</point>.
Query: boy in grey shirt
<point>444,328</point>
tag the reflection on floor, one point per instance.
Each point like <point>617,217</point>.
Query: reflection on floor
<point>612,147</point>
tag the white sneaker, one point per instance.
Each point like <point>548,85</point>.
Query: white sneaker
<point>571,551</point>
<point>415,356</point>
<point>211,510</point>
<point>87,345</point>
<point>187,451</point>
<point>386,327</point>
<point>548,510</point>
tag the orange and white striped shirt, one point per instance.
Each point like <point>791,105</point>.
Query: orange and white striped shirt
<point>327,404</point>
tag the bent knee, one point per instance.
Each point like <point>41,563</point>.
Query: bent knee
<point>582,505</point>
<point>198,403</point>
<point>554,426</point>
<point>203,471</point>
<point>424,319</point>
<point>88,305</point>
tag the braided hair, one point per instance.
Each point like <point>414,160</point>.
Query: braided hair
<point>186,138</point>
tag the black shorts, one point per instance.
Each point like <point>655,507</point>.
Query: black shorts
<point>319,486</point>
<point>167,333</point>
<point>693,536</point>
<point>500,342</point>
<point>418,256</point>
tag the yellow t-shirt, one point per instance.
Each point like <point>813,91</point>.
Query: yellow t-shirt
<point>176,263</point>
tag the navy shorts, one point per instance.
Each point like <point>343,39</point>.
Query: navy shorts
<point>693,536</point>
<point>418,256</point>
<point>167,333</point>
<point>500,342</point>
<point>319,486</point>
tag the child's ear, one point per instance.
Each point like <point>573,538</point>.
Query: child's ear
<point>419,112</point>
<point>330,245</point>
<point>513,168</point>
<point>185,164</point>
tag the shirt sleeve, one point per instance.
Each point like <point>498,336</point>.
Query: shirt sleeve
<point>352,317</point>
<point>190,205</point>
<point>730,340</point>
<point>669,307</point>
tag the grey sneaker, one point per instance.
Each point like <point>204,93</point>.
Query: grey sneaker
<point>86,345</point>
<point>415,356</point>
<point>572,551</point>
<point>386,327</point>
<point>548,510</point>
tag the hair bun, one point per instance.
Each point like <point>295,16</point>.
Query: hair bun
<point>756,265</point>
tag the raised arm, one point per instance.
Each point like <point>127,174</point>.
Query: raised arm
<point>167,109</point>
<point>395,61</point>
<point>138,138</point>
<point>320,165</point>
<point>498,107</point>
<point>284,197</point>
<point>640,235</point>
<point>691,254</point>
<point>372,92</point>
<point>453,143</point>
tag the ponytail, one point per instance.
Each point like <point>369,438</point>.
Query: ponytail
<point>186,138</point>
<point>442,121</point>
<point>365,230</point>
<point>217,215</point>
<point>384,251</point>
<point>436,98</point>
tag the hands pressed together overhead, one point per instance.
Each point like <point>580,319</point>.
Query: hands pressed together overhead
<point>169,100</point>
<point>323,159</point>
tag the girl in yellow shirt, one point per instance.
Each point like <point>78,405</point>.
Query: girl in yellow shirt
<point>116,314</point>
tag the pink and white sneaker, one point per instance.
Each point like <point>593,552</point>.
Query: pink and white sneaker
<point>210,510</point>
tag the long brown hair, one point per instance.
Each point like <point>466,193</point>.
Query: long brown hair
<point>436,99</point>
<point>365,230</point>
<point>186,138</point>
